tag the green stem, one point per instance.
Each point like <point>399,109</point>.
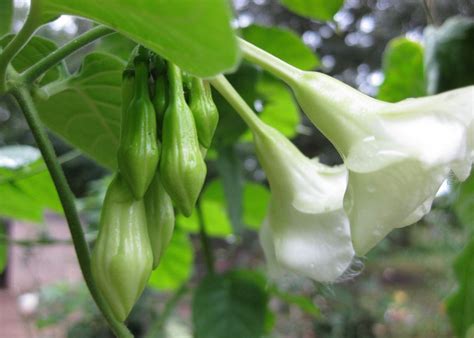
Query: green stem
<point>269,62</point>
<point>66,197</point>
<point>237,102</point>
<point>35,71</point>
<point>205,243</point>
<point>14,46</point>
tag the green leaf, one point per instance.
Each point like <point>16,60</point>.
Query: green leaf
<point>280,109</point>
<point>230,170</point>
<point>116,44</point>
<point>315,9</point>
<point>196,35</point>
<point>35,50</point>
<point>256,200</point>
<point>449,54</point>
<point>464,203</point>
<point>272,39</point>
<point>6,16</point>
<point>26,188</point>
<point>231,305</point>
<point>176,266</point>
<point>86,111</point>
<point>460,306</point>
<point>3,247</point>
<point>403,71</point>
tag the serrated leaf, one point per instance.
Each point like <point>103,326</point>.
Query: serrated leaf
<point>460,306</point>
<point>272,39</point>
<point>196,35</point>
<point>6,16</point>
<point>449,54</point>
<point>26,188</point>
<point>86,111</point>
<point>316,9</point>
<point>231,305</point>
<point>35,50</point>
<point>403,71</point>
<point>176,266</point>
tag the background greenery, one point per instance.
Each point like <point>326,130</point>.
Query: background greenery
<point>417,283</point>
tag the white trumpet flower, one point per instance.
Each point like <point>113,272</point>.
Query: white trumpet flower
<point>306,230</point>
<point>397,154</point>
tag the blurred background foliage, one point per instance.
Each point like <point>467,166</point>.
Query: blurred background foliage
<point>419,282</point>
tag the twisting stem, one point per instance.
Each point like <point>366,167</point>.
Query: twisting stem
<point>66,197</point>
<point>269,62</point>
<point>206,246</point>
<point>59,54</point>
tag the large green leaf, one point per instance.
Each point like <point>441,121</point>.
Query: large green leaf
<point>282,43</point>
<point>176,266</point>
<point>36,49</point>
<point>85,108</point>
<point>460,306</point>
<point>449,54</point>
<point>231,305</point>
<point>26,188</point>
<point>116,44</point>
<point>403,71</point>
<point>6,16</point>
<point>196,35</point>
<point>316,9</point>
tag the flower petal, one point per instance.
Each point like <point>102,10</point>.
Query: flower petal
<point>377,202</point>
<point>317,246</point>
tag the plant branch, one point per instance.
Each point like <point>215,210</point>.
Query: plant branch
<point>14,46</point>
<point>205,244</point>
<point>269,62</point>
<point>35,71</point>
<point>66,197</point>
